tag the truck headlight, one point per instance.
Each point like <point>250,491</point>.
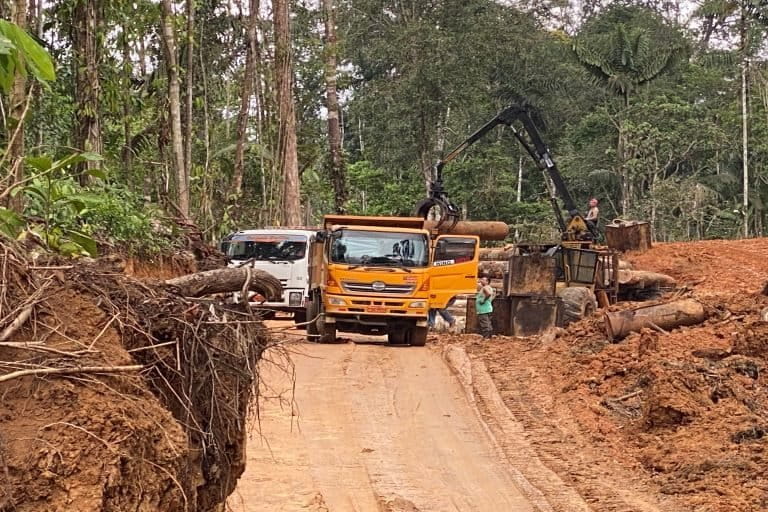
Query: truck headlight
<point>419,304</point>
<point>294,298</point>
<point>336,301</point>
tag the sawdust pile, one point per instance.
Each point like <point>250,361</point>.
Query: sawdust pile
<point>684,415</point>
<point>116,394</point>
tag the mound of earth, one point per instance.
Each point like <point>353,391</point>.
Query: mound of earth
<point>710,265</point>
<point>660,421</point>
<point>116,394</point>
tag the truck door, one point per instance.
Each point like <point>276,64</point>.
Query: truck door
<point>453,268</point>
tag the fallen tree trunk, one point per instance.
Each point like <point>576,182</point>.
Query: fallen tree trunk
<point>619,324</point>
<point>227,280</point>
<point>644,279</point>
<point>486,230</point>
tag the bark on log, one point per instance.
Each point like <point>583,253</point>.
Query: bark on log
<point>493,269</point>
<point>644,279</point>
<point>226,280</point>
<point>497,253</point>
<point>667,316</point>
<point>486,230</point>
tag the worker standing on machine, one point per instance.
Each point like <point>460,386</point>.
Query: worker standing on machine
<point>594,212</point>
<point>484,307</point>
<point>593,216</point>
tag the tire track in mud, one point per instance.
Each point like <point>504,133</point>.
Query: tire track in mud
<point>380,428</point>
<point>544,450</point>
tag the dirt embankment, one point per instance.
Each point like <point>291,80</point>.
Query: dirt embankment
<point>683,416</point>
<point>136,398</point>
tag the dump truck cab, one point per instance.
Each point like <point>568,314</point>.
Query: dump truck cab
<point>381,275</point>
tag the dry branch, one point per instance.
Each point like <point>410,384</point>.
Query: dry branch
<point>70,371</point>
<point>17,323</point>
<point>227,280</point>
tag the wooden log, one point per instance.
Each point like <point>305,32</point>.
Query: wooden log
<point>619,324</point>
<point>628,235</point>
<point>486,230</point>
<point>492,269</point>
<point>645,279</point>
<point>497,253</point>
<point>226,280</point>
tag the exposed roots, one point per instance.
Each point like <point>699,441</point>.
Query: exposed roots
<point>197,357</point>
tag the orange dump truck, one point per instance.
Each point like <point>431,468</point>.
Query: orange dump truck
<point>381,275</point>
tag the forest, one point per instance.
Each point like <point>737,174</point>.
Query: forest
<point>125,119</point>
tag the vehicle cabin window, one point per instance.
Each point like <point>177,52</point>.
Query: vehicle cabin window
<point>267,247</point>
<point>454,250</point>
<point>379,248</point>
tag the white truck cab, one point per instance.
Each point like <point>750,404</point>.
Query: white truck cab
<point>283,253</point>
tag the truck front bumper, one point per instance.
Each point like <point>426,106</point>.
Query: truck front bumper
<point>376,310</point>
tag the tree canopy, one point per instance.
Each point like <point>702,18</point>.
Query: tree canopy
<point>191,104</point>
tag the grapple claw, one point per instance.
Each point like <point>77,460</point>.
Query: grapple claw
<point>449,213</point>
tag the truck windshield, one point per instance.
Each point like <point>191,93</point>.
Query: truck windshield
<point>267,247</point>
<point>379,248</point>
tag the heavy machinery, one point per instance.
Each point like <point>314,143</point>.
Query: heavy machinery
<point>575,229</point>
<point>381,275</point>
<point>569,273</point>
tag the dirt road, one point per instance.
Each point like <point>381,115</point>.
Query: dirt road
<point>372,428</point>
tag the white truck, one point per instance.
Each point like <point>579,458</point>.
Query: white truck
<point>284,254</point>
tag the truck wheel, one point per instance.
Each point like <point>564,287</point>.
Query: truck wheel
<point>329,334</point>
<point>396,336</point>
<point>299,317</point>
<point>578,302</point>
<point>418,336</point>
<point>313,308</point>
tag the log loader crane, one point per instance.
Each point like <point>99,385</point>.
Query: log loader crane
<point>583,276</point>
<point>575,229</point>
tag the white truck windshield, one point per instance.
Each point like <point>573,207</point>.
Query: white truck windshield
<point>268,247</point>
<point>379,248</point>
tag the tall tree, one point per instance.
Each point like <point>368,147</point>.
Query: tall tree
<point>87,19</point>
<point>189,98</point>
<point>17,111</point>
<point>246,91</point>
<point>174,101</point>
<point>287,145</point>
<point>623,49</point>
<point>336,159</point>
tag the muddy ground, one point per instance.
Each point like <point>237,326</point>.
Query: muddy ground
<point>118,394</point>
<point>682,416</point>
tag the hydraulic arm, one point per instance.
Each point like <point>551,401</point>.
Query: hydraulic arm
<point>528,135</point>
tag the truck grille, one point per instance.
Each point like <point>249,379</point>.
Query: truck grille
<point>284,283</point>
<point>389,289</point>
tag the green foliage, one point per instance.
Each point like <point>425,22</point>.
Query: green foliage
<point>626,47</point>
<point>414,78</point>
<point>19,53</point>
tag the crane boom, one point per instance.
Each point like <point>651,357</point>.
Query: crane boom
<point>575,229</point>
